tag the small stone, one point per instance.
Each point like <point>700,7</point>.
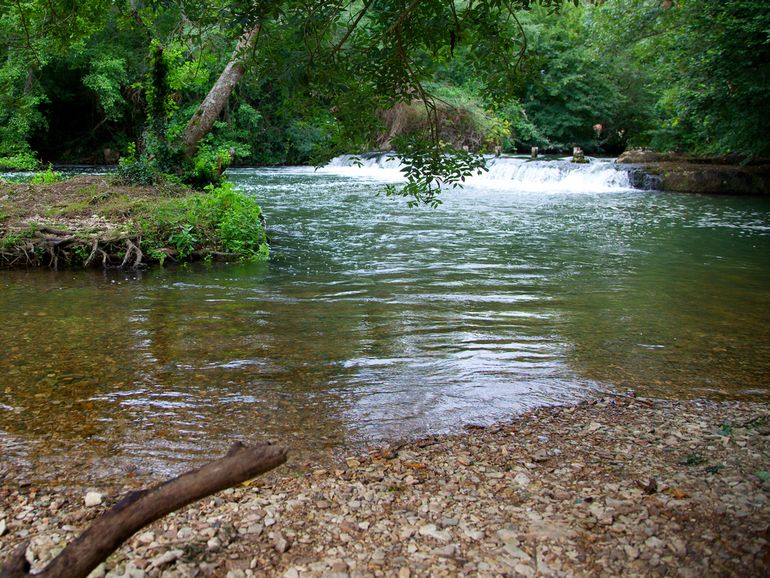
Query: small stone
<point>404,572</point>
<point>513,549</point>
<point>134,572</point>
<point>436,534</point>
<point>631,551</point>
<point>165,558</point>
<point>255,529</point>
<point>237,573</point>
<point>524,570</point>
<point>522,479</point>
<point>213,544</point>
<point>146,538</point>
<point>3,527</point>
<point>540,456</point>
<point>280,543</point>
<point>678,546</point>
<point>291,573</point>
<point>447,551</point>
<point>378,557</point>
<point>93,499</point>
<point>653,542</point>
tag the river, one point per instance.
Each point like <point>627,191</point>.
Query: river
<point>538,283</point>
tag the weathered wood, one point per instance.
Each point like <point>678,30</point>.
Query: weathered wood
<point>138,509</point>
<point>203,120</point>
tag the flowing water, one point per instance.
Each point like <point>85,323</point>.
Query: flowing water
<point>537,283</point>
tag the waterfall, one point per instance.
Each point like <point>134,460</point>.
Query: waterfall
<point>507,173</point>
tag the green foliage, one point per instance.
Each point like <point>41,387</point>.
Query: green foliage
<point>571,85</point>
<point>106,78</point>
<point>134,169</point>
<point>693,76</point>
<point>183,240</point>
<point>220,219</point>
<point>708,64</point>
<point>726,429</point>
<point>692,459</point>
<point>430,167</point>
<point>19,162</point>
<point>47,177</point>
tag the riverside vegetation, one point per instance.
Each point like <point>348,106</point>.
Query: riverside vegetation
<point>89,220</point>
<point>316,80</point>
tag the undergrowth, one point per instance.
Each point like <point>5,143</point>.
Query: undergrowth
<point>219,220</point>
<point>174,225</point>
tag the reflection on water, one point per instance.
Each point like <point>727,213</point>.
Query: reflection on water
<point>377,322</point>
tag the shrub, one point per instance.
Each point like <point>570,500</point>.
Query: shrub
<point>19,162</point>
<point>221,219</point>
<point>47,177</point>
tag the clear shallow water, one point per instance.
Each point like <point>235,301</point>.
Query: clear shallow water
<point>375,322</point>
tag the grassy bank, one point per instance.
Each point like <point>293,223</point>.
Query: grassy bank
<point>91,221</point>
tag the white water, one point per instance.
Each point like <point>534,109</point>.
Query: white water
<point>507,173</point>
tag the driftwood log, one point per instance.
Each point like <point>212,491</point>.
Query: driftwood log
<point>140,508</point>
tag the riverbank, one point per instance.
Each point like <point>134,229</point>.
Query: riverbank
<point>679,173</point>
<point>616,486</point>
<point>92,221</point>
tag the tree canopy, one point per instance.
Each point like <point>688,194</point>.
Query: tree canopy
<point>81,81</point>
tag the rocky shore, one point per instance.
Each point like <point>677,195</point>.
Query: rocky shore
<point>617,486</point>
<point>678,173</point>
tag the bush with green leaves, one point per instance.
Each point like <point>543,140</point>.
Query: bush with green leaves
<point>47,177</point>
<point>706,64</point>
<point>220,219</point>
<point>23,161</point>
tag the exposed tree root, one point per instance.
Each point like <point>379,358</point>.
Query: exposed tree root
<point>54,248</point>
<point>132,249</point>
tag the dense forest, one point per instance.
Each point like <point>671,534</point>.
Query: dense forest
<point>98,80</point>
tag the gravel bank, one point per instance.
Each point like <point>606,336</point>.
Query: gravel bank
<point>617,486</point>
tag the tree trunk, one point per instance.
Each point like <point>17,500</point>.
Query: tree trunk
<point>138,509</point>
<point>201,122</point>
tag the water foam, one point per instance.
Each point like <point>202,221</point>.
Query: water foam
<point>508,173</point>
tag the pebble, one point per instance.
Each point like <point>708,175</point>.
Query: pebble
<point>93,499</point>
<point>433,532</point>
<point>534,493</point>
<point>280,543</point>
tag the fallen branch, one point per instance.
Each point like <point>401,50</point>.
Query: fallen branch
<point>138,509</point>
